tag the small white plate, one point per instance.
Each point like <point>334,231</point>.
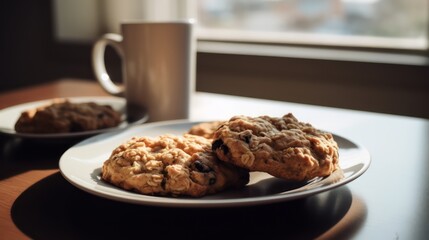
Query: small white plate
<point>9,116</point>
<point>81,166</point>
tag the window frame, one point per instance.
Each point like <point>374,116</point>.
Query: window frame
<point>377,80</point>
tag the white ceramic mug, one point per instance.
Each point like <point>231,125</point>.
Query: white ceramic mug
<point>158,62</point>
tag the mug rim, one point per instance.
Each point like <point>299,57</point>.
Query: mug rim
<point>154,22</point>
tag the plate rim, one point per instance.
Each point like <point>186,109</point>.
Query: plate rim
<point>162,201</point>
<point>13,133</point>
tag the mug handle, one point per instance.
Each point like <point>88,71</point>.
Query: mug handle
<point>113,40</point>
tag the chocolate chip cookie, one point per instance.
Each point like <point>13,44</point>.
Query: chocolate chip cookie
<point>63,116</point>
<point>283,147</point>
<point>171,165</point>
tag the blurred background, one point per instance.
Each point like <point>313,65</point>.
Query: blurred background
<point>358,54</point>
<point>377,18</point>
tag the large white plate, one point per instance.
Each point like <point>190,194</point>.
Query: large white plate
<point>9,116</point>
<point>81,165</point>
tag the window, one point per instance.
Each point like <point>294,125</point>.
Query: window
<point>397,24</point>
<point>391,24</point>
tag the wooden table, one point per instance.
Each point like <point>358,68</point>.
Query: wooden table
<point>389,201</point>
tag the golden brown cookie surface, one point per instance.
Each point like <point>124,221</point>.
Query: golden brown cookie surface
<point>171,165</point>
<point>283,147</point>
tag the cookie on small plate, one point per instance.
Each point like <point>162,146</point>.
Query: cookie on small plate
<point>171,165</point>
<point>283,147</point>
<point>63,116</point>
<point>205,129</point>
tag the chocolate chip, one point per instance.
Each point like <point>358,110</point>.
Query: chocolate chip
<point>247,138</point>
<point>225,149</point>
<point>201,167</point>
<point>217,144</point>
<point>212,181</point>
